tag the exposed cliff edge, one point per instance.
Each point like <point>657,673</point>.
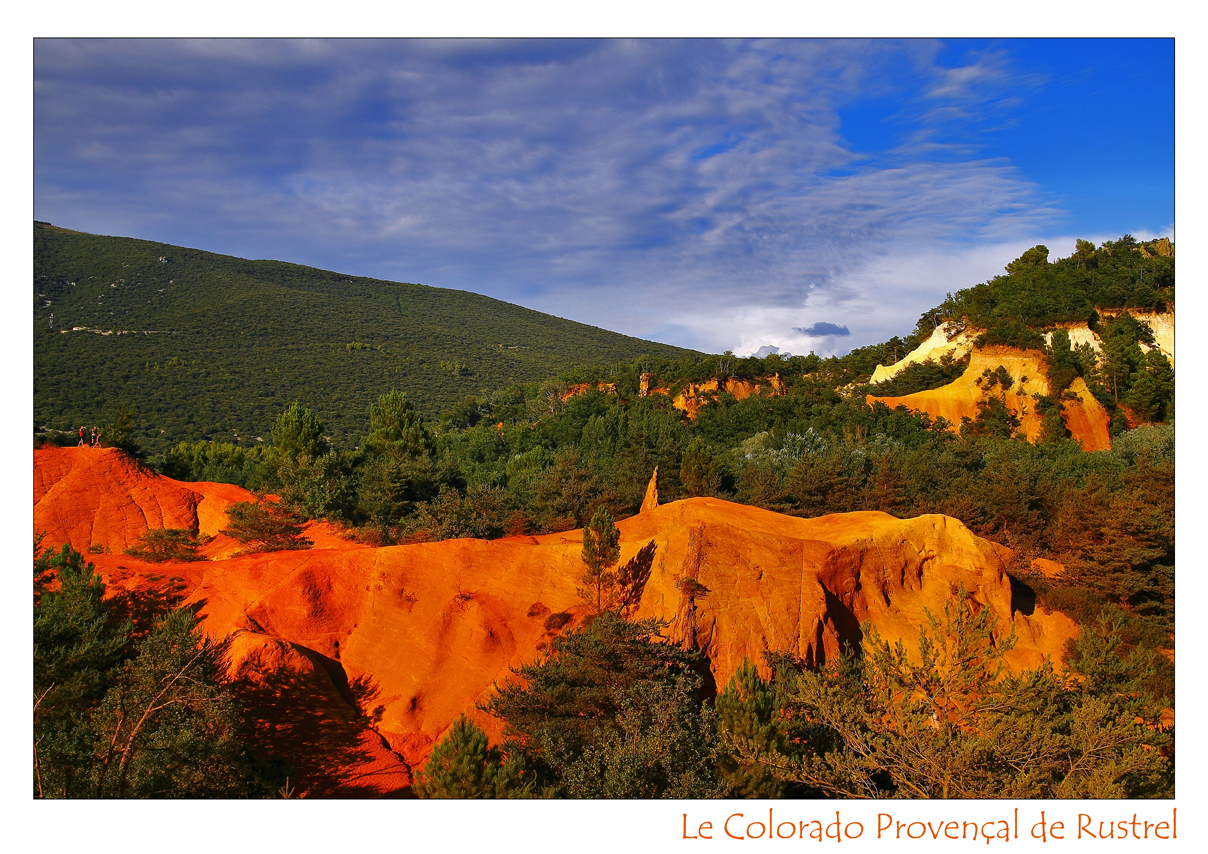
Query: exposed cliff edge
<point>356,660</point>
<point>934,348</point>
<point>949,339</point>
<point>1084,418</point>
<point>1083,415</point>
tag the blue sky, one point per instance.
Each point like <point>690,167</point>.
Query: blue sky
<point>809,195</point>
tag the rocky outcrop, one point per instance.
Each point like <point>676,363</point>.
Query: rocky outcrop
<point>1162,246</point>
<point>1084,417</point>
<point>356,660</point>
<point>583,388</point>
<point>695,395</point>
<point>945,340</point>
<point>651,500</point>
<point>101,498</point>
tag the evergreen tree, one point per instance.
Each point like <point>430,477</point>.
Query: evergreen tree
<point>266,526</point>
<point>951,722</point>
<point>167,728</point>
<point>75,650</point>
<point>751,726</point>
<point>663,745</point>
<point>298,433</point>
<point>397,472</point>
<point>613,711</point>
<point>601,551</point>
<point>699,472</point>
<point>396,429</point>
<point>114,718</point>
<point>463,766</point>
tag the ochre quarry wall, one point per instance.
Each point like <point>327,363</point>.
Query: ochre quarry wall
<point>102,497</point>
<point>934,348</point>
<point>1086,419</point>
<point>695,395</point>
<point>356,660</point>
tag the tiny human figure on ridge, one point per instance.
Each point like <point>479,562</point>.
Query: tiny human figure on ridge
<point>81,444</point>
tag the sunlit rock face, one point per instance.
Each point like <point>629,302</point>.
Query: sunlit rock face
<point>354,660</point>
<point>1085,418</point>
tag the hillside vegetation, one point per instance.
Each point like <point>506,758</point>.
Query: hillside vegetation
<point>203,346</point>
<point>1037,294</point>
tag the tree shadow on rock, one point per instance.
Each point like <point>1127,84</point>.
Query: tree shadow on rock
<point>303,721</point>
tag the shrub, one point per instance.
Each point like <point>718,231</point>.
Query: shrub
<point>266,525</point>
<point>163,544</point>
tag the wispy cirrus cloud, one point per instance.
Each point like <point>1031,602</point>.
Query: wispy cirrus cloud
<point>700,192</point>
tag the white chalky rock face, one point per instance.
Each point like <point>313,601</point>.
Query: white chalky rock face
<point>938,345</point>
<point>934,348</point>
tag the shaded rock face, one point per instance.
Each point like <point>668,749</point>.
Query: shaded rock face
<point>1086,419</point>
<point>356,660</point>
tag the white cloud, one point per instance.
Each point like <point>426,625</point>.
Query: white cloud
<point>699,191</point>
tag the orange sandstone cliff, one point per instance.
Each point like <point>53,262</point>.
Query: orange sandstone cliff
<point>1085,418</point>
<point>355,661</point>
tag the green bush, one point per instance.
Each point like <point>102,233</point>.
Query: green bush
<point>163,544</point>
<point>265,526</point>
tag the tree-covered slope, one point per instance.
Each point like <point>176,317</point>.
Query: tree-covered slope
<point>209,346</point>
<point>1038,294</point>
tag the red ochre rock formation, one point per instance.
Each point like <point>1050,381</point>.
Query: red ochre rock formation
<point>103,497</point>
<point>695,395</point>
<point>1085,418</point>
<point>355,660</point>
<point>583,388</point>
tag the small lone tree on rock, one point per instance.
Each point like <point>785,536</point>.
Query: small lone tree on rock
<point>601,551</point>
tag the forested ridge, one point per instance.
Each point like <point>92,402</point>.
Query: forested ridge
<point>196,345</point>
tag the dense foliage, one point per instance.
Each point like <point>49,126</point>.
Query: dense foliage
<point>923,376</point>
<point>951,722</point>
<point>616,711</point>
<point>206,346</point>
<point>118,713</point>
<point>1037,294</point>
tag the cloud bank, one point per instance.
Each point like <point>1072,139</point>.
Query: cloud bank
<point>701,193</point>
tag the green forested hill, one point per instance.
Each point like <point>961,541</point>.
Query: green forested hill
<point>210,346</point>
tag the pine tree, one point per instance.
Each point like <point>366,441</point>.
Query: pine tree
<point>951,722</point>
<point>298,433</point>
<point>266,526</point>
<point>75,650</point>
<point>463,765</point>
<point>699,470</point>
<point>396,429</point>
<point>601,551</point>
<point>614,711</point>
<point>750,723</point>
<point>167,726</point>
